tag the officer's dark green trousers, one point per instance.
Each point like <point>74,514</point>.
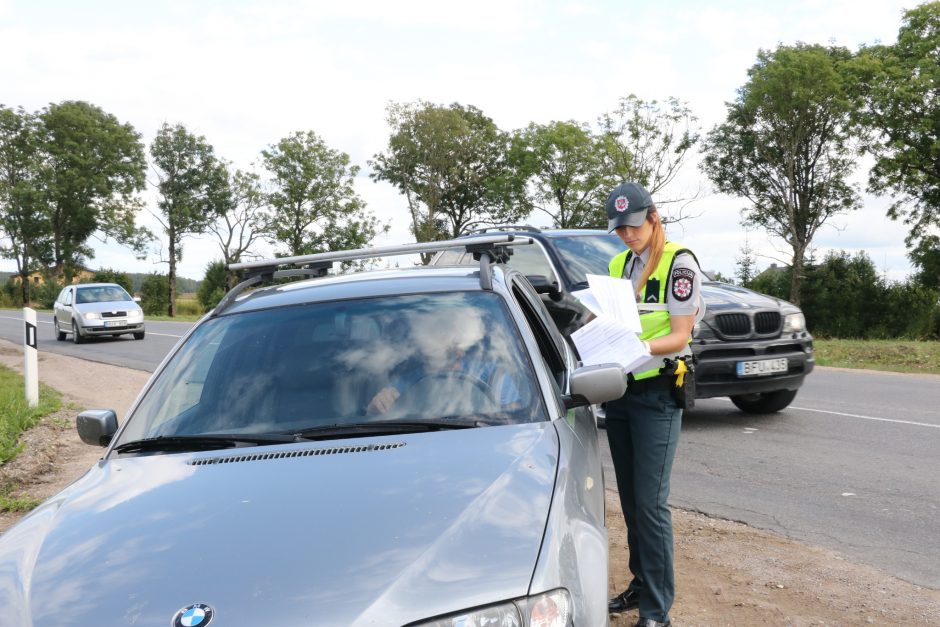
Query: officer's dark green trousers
<point>643,432</point>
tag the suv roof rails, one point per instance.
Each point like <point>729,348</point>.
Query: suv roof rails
<point>487,250</point>
<point>505,227</point>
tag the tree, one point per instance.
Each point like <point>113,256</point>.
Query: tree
<point>314,204</point>
<point>24,224</point>
<point>784,146</point>
<point>648,142</point>
<point>93,167</point>
<point>193,187</point>
<point>242,221</point>
<point>926,257</point>
<point>563,167</point>
<point>746,265</point>
<point>451,164</point>
<point>901,83</point>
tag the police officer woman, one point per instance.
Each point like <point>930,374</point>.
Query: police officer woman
<point>643,425</point>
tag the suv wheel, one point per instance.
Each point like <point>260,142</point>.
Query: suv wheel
<point>765,402</point>
<point>59,333</point>
<point>76,336</point>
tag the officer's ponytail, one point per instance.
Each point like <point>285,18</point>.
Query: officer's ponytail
<point>656,246</point>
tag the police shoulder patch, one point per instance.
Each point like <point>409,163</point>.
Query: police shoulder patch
<point>682,282</point>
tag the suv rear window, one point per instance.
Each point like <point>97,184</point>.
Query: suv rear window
<point>300,367</point>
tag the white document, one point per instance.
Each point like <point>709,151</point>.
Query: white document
<point>605,340</point>
<point>616,299</point>
<point>586,298</point>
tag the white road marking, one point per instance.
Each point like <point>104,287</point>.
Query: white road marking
<point>50,322</point>
<point>842,413</point>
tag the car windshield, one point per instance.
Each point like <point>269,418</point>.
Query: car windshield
<point>587,254</point>
<point>101,294</point>
<point>428,357</point>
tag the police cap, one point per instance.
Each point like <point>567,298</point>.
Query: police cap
<point>627,205</point>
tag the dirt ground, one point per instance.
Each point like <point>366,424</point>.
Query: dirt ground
<point>727,574</point>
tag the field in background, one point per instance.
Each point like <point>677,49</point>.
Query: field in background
<point>889,355</point>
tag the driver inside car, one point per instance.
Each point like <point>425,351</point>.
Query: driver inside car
<point>467,364</point>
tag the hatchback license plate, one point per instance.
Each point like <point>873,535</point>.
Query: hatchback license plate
<point>113,323</point>
<point>761,367</point>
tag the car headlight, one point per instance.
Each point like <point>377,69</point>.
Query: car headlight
<point>92,315</point>
<point>794,323</point>
<point>550,609</point>
<point>135,313</point>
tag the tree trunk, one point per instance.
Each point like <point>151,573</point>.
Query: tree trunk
<point>171,308</point>
<point>796,276</point>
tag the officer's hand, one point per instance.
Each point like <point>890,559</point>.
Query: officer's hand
<point>383,401</point>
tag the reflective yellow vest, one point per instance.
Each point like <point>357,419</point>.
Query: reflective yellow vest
<point>655,318</point>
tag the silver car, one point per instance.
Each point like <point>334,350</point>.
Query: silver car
<point>91,309</point>
<point>407,447</point>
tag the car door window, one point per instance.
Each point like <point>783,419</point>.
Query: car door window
<point>532,260</point>
<point>549,342</point>
<point>68,297</point>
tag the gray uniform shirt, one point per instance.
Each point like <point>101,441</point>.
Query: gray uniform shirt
<point>683,291</point>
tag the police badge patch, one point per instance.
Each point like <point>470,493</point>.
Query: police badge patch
<point>682,282</point>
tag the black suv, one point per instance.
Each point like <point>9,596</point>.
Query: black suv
<point>750,347</point>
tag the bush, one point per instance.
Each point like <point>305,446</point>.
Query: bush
<point>213,286</point>
<point>155,294</point>
<point>107,275</point>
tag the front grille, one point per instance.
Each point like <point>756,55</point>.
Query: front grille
<point>310,452</point>
<point>767,322</point>
<point>733,324</point>
<point>113,314</point>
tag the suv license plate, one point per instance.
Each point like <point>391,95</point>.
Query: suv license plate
<point>762,367</point>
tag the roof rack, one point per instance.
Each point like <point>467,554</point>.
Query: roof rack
<point>486,250</point>
<point>506,227</point>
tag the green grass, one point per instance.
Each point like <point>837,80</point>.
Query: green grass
<point>16,415</point>
<point>888,355</point>
<point>14,504</point>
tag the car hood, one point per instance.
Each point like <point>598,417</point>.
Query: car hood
<point>111,305</point>
<point>372,531</point>
<point>720,296</point>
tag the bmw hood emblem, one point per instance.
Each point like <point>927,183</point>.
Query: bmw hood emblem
<point>195,615</point>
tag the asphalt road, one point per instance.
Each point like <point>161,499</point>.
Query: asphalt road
<point>852,465</point>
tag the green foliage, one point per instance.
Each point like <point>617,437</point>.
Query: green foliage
<point>16,415</point>
<point>452,165</point>
<point>563,166</point>
<point>900,84</point>
<point>926,257</point>
<point>155,294</point>
<point>107,275</point>
<point>188,305</point>
<point>93,168</point>
<point>785,145</point>
<point>213,285</point>
<point>922,357</point>
<point>314,203</point>
<point>44,293</point>
<point>648,141</point>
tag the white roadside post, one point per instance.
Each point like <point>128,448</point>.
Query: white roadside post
<point>31,354</point>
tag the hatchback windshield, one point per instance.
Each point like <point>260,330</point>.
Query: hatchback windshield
<point>101,294</point>
<point>443,356</point>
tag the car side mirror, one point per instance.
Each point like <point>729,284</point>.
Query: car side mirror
<point>591,385</point>
<point>96,426</point>
<point>543,286</point>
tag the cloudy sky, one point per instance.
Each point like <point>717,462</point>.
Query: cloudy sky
<point>247,73</point>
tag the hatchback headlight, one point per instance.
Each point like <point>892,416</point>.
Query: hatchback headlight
<point>551,609</point>
<point>794,323</point>
<point>92,315</point>
<point>135,313</point>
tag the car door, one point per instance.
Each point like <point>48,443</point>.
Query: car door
<point>63,308</point>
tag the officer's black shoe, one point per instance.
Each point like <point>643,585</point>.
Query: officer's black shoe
<point>624,602</point>
<point>649,622</point>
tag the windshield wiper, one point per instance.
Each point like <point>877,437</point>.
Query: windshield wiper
<point>199,442</point>
<point>383,427</point>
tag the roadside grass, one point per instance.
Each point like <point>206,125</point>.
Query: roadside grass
<point>921,357</point>
<point>16,416</point>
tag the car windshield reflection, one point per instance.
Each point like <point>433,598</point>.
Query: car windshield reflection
<point>403,358</point>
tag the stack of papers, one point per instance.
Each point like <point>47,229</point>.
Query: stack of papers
<point>613,336</point>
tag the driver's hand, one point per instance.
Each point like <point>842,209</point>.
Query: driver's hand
<point>382,401</point>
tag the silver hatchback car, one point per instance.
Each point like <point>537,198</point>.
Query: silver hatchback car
<point>90,309</point>
<point>408,447</point>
